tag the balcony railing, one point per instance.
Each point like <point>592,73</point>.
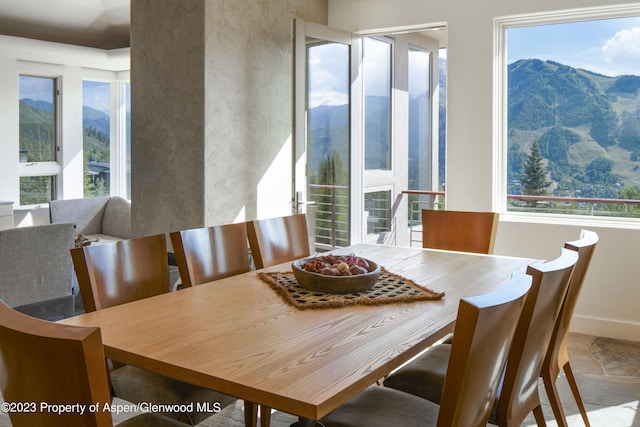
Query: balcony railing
<point>622,208</point>
<point>331,203</point>
<point>332,210</point>
<point>419,200</point>
<point>545,204</point>
<point>575,206</point>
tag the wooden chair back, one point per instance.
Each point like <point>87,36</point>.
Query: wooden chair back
<point>277,240</point>
<point>44,362</point>
<point>519,395</point>
<point>124,271</point>
<point>557,355</point>
<point>459,230</point>
<point>557,358</point>
<point>484,330</point>
<point>211,253</point>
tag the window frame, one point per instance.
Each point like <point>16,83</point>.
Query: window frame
<point>500,107</point>
<point>51,168</point>
<point>375,174</point>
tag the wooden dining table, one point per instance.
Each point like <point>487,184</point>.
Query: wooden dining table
<point>239,337</point>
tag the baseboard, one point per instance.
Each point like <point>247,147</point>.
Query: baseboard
<point>608,328</point>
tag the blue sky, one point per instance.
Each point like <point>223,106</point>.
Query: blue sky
<point>94,94</point>
<point>610,47</point>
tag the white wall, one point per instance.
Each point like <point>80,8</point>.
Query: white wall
<point>608,305</point>
<point>71,64</point>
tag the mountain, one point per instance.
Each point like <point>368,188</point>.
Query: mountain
<point>38,105</point>
<point>587,126</point>
<point>97,120</point>
<point>36,131</point>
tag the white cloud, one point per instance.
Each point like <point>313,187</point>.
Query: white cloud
<point>327,97</point>
<point>621,53</point>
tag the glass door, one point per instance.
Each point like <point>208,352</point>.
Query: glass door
<point>364,131</point>
<point>323,152</point>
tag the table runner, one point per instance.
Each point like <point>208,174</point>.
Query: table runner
<point>389,288</point>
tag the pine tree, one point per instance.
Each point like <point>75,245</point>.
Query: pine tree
<point>534,177</point>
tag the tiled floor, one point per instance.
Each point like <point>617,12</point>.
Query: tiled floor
<point>607,372</point>
<point>608,375</point>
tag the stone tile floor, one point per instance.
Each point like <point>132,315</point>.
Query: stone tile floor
<point>607,372</point>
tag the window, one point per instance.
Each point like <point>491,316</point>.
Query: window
<point>419,115</point>
<point>126,111</point>
<point>572,107</point>
<point>377,207</point>
<point>328,140</point>
<point>38,147</point>
<point>96,125</point>
<point>376,63</point>
<point>358,123</point>
<point>106,122</point>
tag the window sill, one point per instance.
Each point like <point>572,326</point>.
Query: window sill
<point>573,220</point>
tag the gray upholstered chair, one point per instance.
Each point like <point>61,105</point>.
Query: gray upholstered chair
<point>105,218</point>
<point>36,274</point>
<point>126,271</point>
<point>44,362</point>
<point>482,337</point>
<point>518,394</point>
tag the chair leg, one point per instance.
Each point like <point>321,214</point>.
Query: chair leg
<point>576,393</point>
<point>539,416</point>
<point>250,414</point>
<point>265,416</point>
<point>554,399</point>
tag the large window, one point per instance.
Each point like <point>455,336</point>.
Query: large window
<point>572,108</point>
<point>96,124</point>
<point>419,119</point>
<point>39,147</point>
<point>376,64</point>
<point>106,123</point>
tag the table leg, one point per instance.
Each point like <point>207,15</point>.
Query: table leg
<point>250,414</point>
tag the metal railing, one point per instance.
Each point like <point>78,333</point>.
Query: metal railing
<point>587,206</point>
<point>419,200</point>
<point>331,203</point>
<point>331,226</point>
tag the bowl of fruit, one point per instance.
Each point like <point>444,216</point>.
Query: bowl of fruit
<point>336,274</point>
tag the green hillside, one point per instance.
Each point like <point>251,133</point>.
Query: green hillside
<point>587,126</point>
<point>37,145</point>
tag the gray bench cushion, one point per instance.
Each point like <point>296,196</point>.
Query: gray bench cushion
<point>117,218</point>
<point>85,213</point>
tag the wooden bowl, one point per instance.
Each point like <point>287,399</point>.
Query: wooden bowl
<point>335,284</point>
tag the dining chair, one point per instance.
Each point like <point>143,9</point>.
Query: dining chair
<point>273,241</point>
<point>46,363</point>
<point>557,357</point>
<point>518,394</point>
<point>482,337</point>
<point>277,240</point>
<point>459,230</point>
<point>211,253</point>
<point>125,271</point>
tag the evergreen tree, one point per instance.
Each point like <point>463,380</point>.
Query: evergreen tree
<point>534,176</point>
